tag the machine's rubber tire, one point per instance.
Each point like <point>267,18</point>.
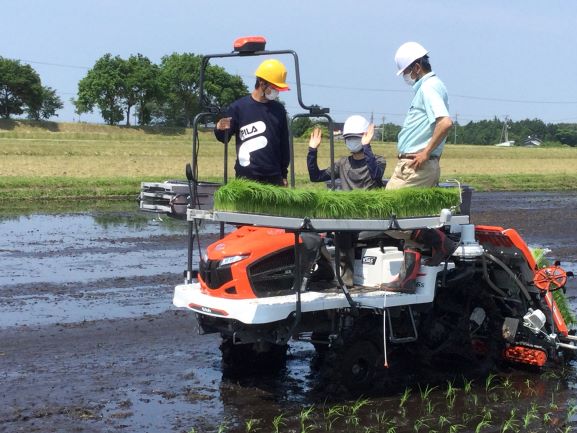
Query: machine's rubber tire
<point>244,359</point>
<point>351,369</point>
<point>353,364</point>
<point>359,366</point>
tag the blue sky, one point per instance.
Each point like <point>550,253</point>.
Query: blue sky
<point>496,57</point>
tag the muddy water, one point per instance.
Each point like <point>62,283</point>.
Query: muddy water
<point>89,340</point>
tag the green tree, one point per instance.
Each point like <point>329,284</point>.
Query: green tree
<point>300,125</point>
<point>178,81</point>
<point>567,134</point>
<point>49,104</point>
<point>141,87</point>
<point>104,87</point>
<point>223,88</point>
<point>179,84</point>
<point>387,132</point>
<point>20,88</point>
<point>482,132</point>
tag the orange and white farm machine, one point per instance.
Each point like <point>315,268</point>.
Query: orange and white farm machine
<point>270,279</point>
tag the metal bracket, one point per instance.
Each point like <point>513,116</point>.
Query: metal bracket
<point>395,339</point>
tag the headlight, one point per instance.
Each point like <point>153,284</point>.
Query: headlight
<point>230,260</point>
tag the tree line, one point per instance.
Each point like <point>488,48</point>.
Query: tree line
<point>483,132</point>
<point>164,94</point>
<point>167,94</point>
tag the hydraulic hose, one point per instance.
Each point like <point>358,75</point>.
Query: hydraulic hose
<point>508,271</point>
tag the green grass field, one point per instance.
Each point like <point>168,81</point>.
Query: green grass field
<point>63,160</point>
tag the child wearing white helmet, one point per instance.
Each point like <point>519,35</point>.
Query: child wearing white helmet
<point>359,170</point>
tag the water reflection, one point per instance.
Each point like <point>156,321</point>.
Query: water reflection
<point>81,247</point>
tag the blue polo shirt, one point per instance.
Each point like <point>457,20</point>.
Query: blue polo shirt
<point>430,102</point>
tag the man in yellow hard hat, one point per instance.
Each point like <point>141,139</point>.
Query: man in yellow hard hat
<point>259,123</point>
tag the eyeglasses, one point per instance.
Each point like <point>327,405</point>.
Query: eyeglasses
<point>409,68</point>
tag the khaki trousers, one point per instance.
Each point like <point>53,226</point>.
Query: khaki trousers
<point>405,176</point>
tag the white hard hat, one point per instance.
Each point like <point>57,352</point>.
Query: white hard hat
<point>355,125</point>
<point>407,54</point>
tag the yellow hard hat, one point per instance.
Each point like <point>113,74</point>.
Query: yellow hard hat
<point>274,72</point>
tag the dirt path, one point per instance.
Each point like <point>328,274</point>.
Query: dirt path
<point>109,353</point>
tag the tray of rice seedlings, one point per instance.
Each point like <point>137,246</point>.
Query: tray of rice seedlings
<point>245,196</point>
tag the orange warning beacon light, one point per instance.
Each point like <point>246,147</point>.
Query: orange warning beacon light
<point>249,44</point>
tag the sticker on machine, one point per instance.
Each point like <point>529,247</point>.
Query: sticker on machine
<point>369,260</point>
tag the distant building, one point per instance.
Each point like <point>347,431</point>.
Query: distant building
<point>338,130</point>
<point>532,140</point>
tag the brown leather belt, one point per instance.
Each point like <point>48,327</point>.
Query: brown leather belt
<point>413,156</point>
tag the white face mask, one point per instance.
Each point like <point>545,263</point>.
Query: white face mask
<point>272,94</point>
<point>354,144</point>
<point>410,81</point>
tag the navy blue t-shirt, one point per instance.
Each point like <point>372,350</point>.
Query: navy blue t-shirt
<point>262,142</point>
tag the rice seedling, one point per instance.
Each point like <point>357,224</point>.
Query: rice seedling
<point>405,397</point>
<point>251,424</point>
<point>442,421</point>
<point>381,417</point>
<point>430,408</point>
<point>352,420</point>
<point>484,423</point>
<point>392,429</point>
<point>511,423</point>
<point>353,416</point>
<point>467,385</point>
<point>487,413</point>
<point>454,428</point>
<point>419,424</point>
<point>530,415</point>
<point>553,404</point>
<point>241,195</point>
<point>490,386</point>
<point>359,404</point>
<point>451,389</point>
<point>425,393</point>
<point>305,415</point>
<point>530,387</point>
<point>223,427</point>
<point>333,414</point>
<point>278,421</point>
<point>451,401</point>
